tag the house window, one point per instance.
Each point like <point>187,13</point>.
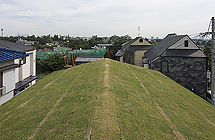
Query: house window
<point>164,66</point>
<point>141,40</point>
<point>186,43</point>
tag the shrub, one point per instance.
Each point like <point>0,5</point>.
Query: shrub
<point>52,63</point>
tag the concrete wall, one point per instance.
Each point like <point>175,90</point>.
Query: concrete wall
<point>6,97</point>
<point>27,69</point>
<point>137,42</point>
<point>138,54</point>
<point>121,59</point>
<point>188,72</point>
<point>9,83</point>
<point>9,80</point>
<point>16,61</point>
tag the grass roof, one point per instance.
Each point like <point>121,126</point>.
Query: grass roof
<point>107,100</point>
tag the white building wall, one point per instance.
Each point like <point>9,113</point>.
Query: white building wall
<point>9,83</point>
<point>180,44</point>
<point>9,80</point>
<point>31,63</point>
<point>6,97</point>
<point>34,65</point>
<point>16,61</point>
<point>34,62</point>
<point>26,68</point>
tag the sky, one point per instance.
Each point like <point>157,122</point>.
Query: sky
<point>85,18</point>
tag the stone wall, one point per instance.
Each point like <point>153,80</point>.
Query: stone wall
<point>129,57</point>
<point>188,72</point>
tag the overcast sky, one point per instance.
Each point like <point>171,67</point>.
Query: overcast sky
<point>105,17</point>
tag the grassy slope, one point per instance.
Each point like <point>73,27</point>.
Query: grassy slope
<point>107,100</point>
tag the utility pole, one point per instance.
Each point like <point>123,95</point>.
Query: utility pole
<point>212,66</point>
<point>2,32</point>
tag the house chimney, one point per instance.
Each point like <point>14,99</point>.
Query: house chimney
<point>171,34</point>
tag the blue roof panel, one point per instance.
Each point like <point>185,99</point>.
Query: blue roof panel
<point>8,54</point>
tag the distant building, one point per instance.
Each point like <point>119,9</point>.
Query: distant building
<point>86,59</point>
<point>94,36</point>
<point>54,43</point>
<point>133,51</point>
<point>24,42</point>
<point>103,46</point>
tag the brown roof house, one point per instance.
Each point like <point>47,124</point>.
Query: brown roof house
<point>133,51</point>
<point>178,57</point>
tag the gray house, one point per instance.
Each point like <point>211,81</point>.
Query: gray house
<point>179,58</point>
<point>133,51</point>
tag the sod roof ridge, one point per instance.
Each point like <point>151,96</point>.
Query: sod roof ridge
<point>107,99</point>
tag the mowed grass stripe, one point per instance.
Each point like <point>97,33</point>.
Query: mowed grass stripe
<point>134,115</point>
<point>105,121</point>
<point>41,105</point>
<point>52,109</point>
<point>147,118</point>
<point>75,110</point>
<point>28,97</point>
<point>117,108</point>
<point>160,110</point>
<point>172,99</point>
<point>70,106</point>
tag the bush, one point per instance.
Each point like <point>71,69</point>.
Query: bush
<point>52,63</point>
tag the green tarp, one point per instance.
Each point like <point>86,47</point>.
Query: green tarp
<point>44,54</point>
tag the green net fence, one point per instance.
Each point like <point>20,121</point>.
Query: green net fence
<point>44,54</point>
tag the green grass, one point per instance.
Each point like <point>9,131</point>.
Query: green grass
<point>93,101</point>
<point>43,75</point>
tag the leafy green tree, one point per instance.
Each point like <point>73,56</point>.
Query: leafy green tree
<point>49,40</point>
<point>52,63</point>
<point>207,51</point>
<point>37,45</point>
<point>117,44</point>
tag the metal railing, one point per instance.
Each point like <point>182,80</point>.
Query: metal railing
<point>2,91</point>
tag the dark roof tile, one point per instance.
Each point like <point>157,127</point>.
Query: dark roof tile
<point>15,46</point>
<point>8,54</point>
<point>162,46</point>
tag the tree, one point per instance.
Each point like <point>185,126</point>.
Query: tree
<point>49,40</point>
<point>207,51</point>
<point>52,63</point>
<point>117,44</point>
